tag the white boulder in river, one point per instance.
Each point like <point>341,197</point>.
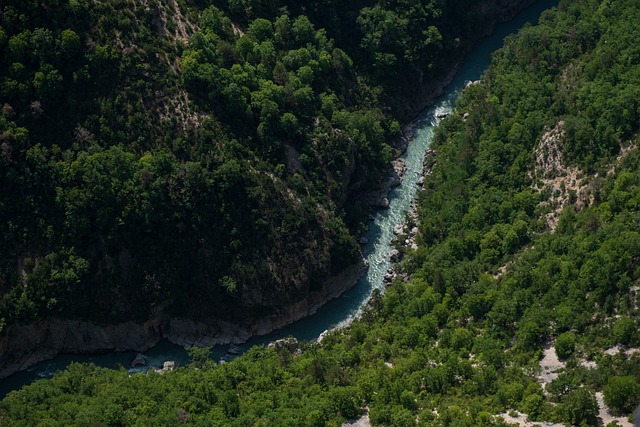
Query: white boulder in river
<point>168,366</point>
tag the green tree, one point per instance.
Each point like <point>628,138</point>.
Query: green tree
<point>70,42</point>
<point>200,356</point>
<point>510,394</point>
<point>565,345</point>
<point>260,30</point>
<point>625,331</point>
<point>622,394</point>
<point>289,123</point>
<point>580,408</point>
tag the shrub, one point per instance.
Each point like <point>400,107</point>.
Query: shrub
<point>565,345</point>
<point>621,394</point>
<point>624,331</point>
<point>580,408</point>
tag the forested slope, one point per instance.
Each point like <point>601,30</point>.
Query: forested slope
<point>195,157</point>
<point>530,242</point>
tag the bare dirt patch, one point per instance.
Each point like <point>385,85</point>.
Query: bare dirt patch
<point>566,185</point>
<point>521,420</point>
<point>612,351</point>
<point>551,174</point>
<point>606,416</point>
<point>549,365</point>
<point>360,422</point>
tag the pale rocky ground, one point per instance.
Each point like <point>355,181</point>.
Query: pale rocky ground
<point>549,367</point>
<point>550,364</point>
<point>521,420</point>
<point>552,174</point>
<point>612,351</point>
<point>360,422</point>
<point>606,416</point>
<point>171,22</point>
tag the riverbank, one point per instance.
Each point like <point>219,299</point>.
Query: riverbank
<point>23,346</point>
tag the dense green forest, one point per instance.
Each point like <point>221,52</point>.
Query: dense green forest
<point>193,157</point>
<point>529,244</point>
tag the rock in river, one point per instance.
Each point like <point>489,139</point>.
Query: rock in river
<point>139,360</point>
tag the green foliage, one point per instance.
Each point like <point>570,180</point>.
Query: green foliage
<point>228,284</point>
<point>621,394</point>
<point>625,331</point>
<point>179,210</point>
<point>157,203</point>
<point>565,345</point>
<point>510,394</point>
<point>580,408</point>
<point>200,356</point>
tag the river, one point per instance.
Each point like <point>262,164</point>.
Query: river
<point>339,311</point>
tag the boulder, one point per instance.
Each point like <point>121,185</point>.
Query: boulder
<point>290,344</point>
<point>139,360</point>
<point>402,145</point>
<point>394,180</point>
<point>168,366</point>
<point>394,255</point>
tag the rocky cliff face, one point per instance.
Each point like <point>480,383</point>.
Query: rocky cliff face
<point>22,346</point>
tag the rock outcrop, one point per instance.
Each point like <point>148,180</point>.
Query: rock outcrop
<point>565,184</point>
<point>24,345</point>
<point>290,344</point>
<point>167,366</point>
<point>139,360</point>
<point>379,199</point>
